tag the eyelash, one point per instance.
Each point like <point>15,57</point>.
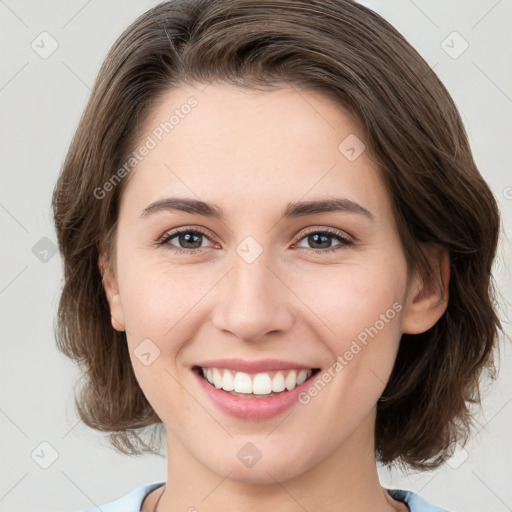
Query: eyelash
<point>331,233</point>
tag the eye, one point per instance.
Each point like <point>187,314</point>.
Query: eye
<point>320,240</point>
<point>189,240</point>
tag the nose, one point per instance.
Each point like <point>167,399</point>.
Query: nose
<point>253,301</point>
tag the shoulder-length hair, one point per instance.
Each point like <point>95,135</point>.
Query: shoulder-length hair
<point>413,132</point>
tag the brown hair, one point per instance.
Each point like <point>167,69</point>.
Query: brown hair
<point>413,132</point>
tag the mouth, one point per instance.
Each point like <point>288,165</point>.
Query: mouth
<point>255,385</point>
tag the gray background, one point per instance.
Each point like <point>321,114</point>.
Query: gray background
<point>41,100</point>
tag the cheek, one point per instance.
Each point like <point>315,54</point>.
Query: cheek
<point>156,296</point>
<point>360,308</point>
<point>162,312</point>
<point>158,311</point>
<point>351,300</point>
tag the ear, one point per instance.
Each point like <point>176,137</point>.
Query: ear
<point>110,286</point>
<point>427,297</point>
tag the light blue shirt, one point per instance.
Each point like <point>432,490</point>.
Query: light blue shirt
<point>132,502</point>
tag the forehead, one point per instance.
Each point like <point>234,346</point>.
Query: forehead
<point>249,148</point>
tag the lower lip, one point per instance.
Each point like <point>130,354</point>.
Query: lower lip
<point>253,409</point>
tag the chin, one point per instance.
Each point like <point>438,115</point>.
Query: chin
<point>269,468</point>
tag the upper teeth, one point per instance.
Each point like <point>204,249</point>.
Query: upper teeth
<point>259,384</point>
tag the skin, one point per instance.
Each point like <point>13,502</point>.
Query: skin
<point>251,153</point>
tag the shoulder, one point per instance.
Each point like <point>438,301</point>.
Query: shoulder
<point>131,502</point>
<point>415,502</point>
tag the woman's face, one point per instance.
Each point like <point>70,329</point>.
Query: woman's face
<point>254,278</point>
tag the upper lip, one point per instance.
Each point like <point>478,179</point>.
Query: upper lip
<point>263,365</point>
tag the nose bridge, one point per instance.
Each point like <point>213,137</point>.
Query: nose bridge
<point>253,302</point>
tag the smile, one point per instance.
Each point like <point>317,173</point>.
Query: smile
<point>261,384</point>
<point>253,396</point>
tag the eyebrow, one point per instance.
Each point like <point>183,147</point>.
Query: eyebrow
<point>292,210</point>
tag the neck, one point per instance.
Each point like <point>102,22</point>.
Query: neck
<point>343,480</point>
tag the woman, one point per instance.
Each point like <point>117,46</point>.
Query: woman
<point>278,247</point>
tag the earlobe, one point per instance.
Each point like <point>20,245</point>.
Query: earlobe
<point>112,292</point>
<point>427,298</point>
<point>116,313</point>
